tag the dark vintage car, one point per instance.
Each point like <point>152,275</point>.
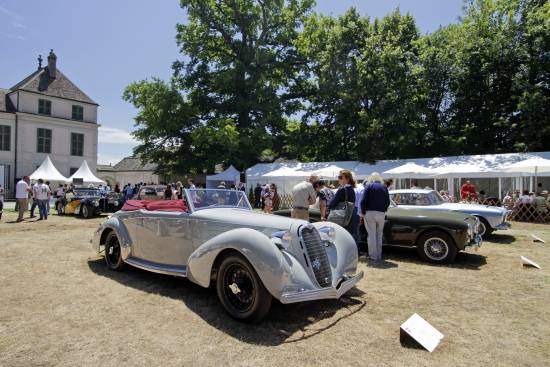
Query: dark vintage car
<point>83,201</point>
<point>437,236</point>
<point>113,202</point>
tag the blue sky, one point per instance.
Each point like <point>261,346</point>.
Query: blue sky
<point>103,45</point>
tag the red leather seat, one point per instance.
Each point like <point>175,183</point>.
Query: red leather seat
<point>156,205</point>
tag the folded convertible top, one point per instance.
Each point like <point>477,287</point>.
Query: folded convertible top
<point>155,205</point>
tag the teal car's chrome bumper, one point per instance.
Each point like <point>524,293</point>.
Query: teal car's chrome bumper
<point>324,293</point>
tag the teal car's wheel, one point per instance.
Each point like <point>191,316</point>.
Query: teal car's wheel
<point>436,247</point>
<point>113,254</point>
<point>484,228</point>
<point>241,290</point>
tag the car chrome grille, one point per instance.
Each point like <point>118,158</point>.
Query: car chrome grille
<point>318,259</point>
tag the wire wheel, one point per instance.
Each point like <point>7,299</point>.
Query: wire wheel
<point>436,248</point>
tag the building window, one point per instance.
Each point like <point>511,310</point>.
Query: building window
<point>44,107</point>
<point>78,113</point>
<point>77,144</point>
<point>44,141</point>
<point>72,170</point>
<point>5,137</point>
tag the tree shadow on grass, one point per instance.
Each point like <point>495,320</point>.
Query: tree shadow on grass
<point>283,324</point>
<point>464,260</point>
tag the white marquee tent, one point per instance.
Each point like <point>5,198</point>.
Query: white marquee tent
<point>229,176</point>
<point>435,171</point>
<point>48,172</point>
<point>409,170</point>
<point>86,175</point>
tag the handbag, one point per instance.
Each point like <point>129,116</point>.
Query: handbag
<point>343,212</point>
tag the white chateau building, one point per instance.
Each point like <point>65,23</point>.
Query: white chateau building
<point>45,114</point>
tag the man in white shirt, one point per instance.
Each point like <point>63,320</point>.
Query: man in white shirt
<point>303,195</point>
<point>22,195</point>
<point>42,192</point>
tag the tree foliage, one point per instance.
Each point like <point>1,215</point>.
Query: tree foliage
<point>263,79</point>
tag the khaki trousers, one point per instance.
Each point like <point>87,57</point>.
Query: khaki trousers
<point>300,214</point>
<point>23,206</point>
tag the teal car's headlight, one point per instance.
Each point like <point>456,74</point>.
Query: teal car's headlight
<point>328,234</point>
<point>282,239</point>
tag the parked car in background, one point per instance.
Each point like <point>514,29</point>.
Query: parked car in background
<point>82,201</point>
<point>153,192</point>
<point>491,218</point>
<point>113,201</point>
<point>437,237</point>
<point>215,236</point>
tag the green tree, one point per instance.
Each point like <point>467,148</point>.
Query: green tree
<point>239,64</point>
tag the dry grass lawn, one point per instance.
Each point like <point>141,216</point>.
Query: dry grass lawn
<point>61,307</point>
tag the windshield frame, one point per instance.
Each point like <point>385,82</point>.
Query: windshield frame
<point>189,196</point>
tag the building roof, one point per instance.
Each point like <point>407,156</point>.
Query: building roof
<point>104,167</point>
<point>60,87</point>
<point>134,164</point>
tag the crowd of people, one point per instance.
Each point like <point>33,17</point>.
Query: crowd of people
<point>352,205</point>
<point>267,198</point>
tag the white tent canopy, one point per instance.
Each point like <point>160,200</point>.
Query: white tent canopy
<point>229,176</point>
<point>86,175</point>
<point>534,166</point>
<point>409,170</point>
<point>48,172</point>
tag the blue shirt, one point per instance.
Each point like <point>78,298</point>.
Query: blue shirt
<point>375,198</point>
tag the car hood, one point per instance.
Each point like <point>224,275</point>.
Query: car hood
<point>247,218</point>
<point>414,212</point>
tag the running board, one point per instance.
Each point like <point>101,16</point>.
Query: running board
<point>175,270</point>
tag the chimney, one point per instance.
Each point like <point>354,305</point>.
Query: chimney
<point>52,68</point>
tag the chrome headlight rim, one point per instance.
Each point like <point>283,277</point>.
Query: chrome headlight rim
<point>282,239</point>
<point>328,234</point>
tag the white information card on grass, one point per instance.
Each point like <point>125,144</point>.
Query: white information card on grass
<point>421,331</point>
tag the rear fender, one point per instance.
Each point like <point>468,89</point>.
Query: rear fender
<point>279,270</point>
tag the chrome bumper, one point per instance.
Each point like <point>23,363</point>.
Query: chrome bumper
<point>503,226</point>
<point>476,241</point>
<point>325,293</point>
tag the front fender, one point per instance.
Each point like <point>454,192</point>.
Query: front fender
<point>116,225</point>
<point>279,270</point>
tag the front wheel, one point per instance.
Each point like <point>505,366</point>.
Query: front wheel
<point>241,290</point>
<point>436,247</point>
<point>485,229</point>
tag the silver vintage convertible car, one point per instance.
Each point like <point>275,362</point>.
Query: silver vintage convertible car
<point>215,236</point>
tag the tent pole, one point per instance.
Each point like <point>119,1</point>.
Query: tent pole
<point>531,183</point>
<point>435,184</point>
<point>500,188</point>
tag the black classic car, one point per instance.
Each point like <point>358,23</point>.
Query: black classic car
<point>83,201</point>
<point>437,236</point>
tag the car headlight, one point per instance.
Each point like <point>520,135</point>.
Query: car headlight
<point>328,234</point>
<point>96,203</point>
<point>282,239</point>
<point>115,203</point>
